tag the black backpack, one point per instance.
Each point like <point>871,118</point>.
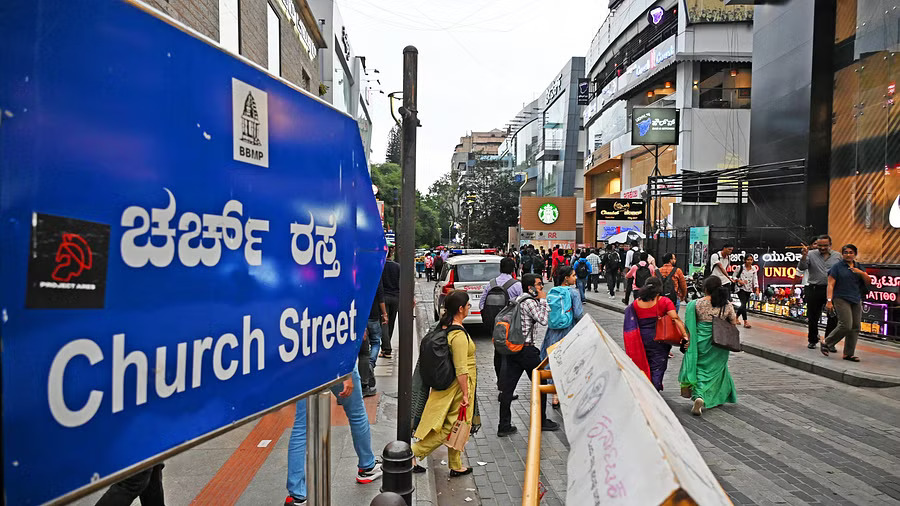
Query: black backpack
<point>495,300</point>
<point>641,275</point>
<point>668,285</point>
<point>581,268</point>
<point>612,261</point>
<point>435,359</point>
<point>527,264</point>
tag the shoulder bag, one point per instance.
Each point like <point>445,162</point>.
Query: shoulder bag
<point>666,330</point>
<point>724,333</point>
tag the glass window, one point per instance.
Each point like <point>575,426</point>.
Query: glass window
<point>274,39</point>
<point>229,31</point>
<point>477,272</point>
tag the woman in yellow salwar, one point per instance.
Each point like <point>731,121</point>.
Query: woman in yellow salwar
<point>704,375</point>
<point>442,407</point>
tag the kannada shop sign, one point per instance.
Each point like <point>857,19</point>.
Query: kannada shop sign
<point>654,125</point>
<point>178,255</point>
<point>620,209</point>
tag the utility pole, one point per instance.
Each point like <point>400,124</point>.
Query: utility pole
<point>406,241</point>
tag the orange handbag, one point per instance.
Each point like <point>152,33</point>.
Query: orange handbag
<point>666,330</point>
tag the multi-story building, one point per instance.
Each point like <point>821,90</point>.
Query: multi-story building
<point>546,149</point>
<point>279,35</point>
<point>474,147</point>
<point>344,79</point>
<point>692,55</point>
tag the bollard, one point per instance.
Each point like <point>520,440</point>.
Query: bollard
<point>397,466</point>
<point>388,499</point>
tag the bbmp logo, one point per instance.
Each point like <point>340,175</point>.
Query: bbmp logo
<point>250,111</point>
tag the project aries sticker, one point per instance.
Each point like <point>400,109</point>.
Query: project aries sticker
<point>66,263</point>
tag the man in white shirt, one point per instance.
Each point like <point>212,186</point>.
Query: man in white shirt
<point>718,265</point>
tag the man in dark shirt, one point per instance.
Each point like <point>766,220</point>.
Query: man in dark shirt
<point>368,351</point>
<point>390,278</point>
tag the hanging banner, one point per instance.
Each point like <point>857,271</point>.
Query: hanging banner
<point>699,249</point>
<point>187,243</point>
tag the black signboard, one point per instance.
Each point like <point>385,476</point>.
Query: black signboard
<point>620,209</point>
<point>67,263</point>
<point>654,125</point>
<point>584,91</point>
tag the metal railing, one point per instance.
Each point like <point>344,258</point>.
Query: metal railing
<point>531,495</point>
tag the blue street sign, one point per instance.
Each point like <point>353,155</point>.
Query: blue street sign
<point>186,242</point>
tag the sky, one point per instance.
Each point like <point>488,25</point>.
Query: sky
<point>480,62</point>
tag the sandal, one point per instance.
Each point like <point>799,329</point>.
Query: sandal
<point>747,325</point>
<point>852,358</point>
<point>824,349</point>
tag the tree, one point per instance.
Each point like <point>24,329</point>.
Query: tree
<point>388,178</point>
<point>446,195</point>
<point>393,154</point>
<point>496,203</point>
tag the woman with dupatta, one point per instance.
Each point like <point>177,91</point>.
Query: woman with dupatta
<point>641,316</point>
<point>442,407</point>
<point>704,375</point>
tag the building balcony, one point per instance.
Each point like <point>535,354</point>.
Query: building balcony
<point>550,150</point>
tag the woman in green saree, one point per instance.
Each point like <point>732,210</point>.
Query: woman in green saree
<point>704,375</point>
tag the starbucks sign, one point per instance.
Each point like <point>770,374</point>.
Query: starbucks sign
<point>548,213</point>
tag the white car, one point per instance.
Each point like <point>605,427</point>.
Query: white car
<point>469,273</point>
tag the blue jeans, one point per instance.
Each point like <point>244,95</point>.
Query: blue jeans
<point>374,327</point>
<point>359,431</point>
<point>580,283</point>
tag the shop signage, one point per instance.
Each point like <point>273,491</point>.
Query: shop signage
<point>659,56</point>
<point>634,192</point>
<point>548,213</point>
<point>620,209</point>
<point>345,40</point>
<point>654,126</point>
<point>584,91</point>
<point>609,228</point>
<point>554,89</point>
<point>302,33</point>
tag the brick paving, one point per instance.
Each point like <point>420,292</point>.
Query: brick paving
<point>793,438</point>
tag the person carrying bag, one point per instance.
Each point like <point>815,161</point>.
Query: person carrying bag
<point>704,375</point>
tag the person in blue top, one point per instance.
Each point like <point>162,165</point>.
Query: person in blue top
<point>847,284</point>
<point>582,280</point>
<point>558,309</point>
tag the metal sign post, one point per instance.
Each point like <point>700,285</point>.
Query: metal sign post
<point>407,241</point>
<point>318,454</point>
<point>188,243</point>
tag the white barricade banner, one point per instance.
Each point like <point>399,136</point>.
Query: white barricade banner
<point>626,445</point>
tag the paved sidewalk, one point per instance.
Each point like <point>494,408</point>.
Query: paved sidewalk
<point>785,342</point>
<point>248,465</point>
<point>793,438</point>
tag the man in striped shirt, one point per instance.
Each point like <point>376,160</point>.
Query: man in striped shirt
<point>533,305</point>
<point>594,260</point>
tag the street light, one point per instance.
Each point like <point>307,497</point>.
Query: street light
<point>470,206</point>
